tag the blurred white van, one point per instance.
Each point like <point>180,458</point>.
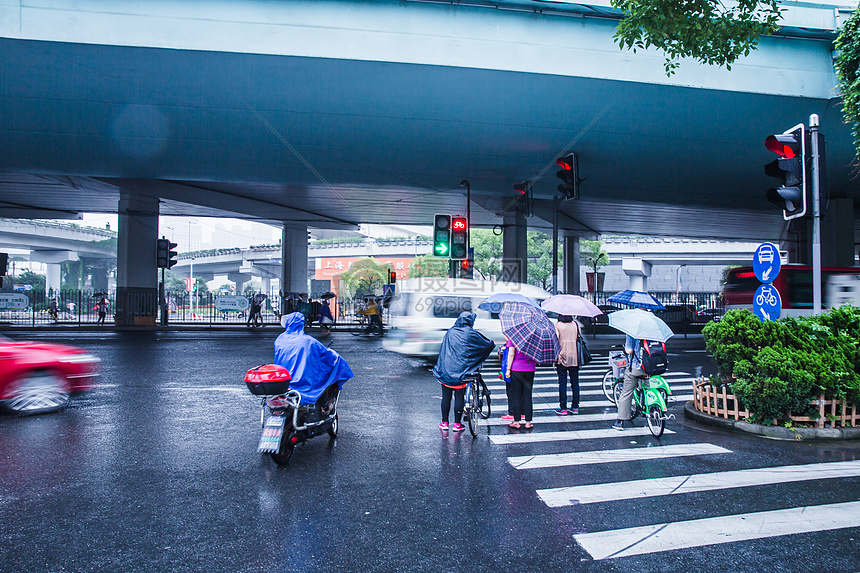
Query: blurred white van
<point>424,308</point>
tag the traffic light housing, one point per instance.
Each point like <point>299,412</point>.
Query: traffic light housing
<point>466,268</point>
<point>165,256</point>
<point>459,242</point>
<point>442,235</point>
<point>392,277</point>
<point>569,177</point>
<point>790,169</point>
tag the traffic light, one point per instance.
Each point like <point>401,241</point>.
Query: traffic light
<point>466,268</point>
<point>790,170</point>
<point>459,230</point>
<point>165,256</point>
<point>392,277</point>
<point>442,235</point>
<point>569,177</point>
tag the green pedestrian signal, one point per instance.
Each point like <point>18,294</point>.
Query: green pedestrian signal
<point>441,235</point>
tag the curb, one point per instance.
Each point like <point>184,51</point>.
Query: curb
<point>775,432</point>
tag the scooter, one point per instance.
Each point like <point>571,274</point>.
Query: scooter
<point>287,422</point>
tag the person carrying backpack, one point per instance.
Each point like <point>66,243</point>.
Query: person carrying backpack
<point>632,377</point>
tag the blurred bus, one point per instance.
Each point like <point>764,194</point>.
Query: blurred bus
<point>424,308</point>
<point>838,286</point>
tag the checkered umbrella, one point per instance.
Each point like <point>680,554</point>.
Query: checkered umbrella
<point>638,299</point>
<point>531,332</point>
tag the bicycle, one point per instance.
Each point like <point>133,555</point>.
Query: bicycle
<point>649,399</point>
<point>617,366</point>
<point>478,394</point>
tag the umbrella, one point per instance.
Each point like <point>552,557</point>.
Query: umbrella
<point>531,332</point>
<point>640,324</point>
<point>328,294</point>
<point>637,298</point>
<point>570,304</point>
<point>494,302</point>
<point>260,297</point>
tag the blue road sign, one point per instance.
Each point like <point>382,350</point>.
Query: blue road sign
<point>388,290</point>
<point>766,262</point>
<point>767,304</point>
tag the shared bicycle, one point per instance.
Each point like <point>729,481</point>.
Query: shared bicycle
<point>650,397</point>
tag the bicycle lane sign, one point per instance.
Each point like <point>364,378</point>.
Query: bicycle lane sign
<point>767,304</point>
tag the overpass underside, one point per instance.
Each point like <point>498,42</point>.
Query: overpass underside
<point>331,114</point>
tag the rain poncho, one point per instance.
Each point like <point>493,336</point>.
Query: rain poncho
<point>463,350</point>
<point>312,366</point>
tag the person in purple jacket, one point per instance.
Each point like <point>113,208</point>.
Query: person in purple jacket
<point>522,380</point>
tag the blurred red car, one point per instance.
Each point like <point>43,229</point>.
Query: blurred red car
<point>37,377</point>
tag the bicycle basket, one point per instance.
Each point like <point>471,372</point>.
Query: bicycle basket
<point>618,362</point>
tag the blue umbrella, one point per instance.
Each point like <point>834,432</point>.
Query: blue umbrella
<point>494,302</point>
<point>638,299</point>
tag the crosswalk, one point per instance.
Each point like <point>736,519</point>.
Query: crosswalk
<point>582,435</point>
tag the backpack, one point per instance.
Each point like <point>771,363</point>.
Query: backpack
<point>654,360</point>
<point>505,359</point>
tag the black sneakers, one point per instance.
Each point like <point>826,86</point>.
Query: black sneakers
<point>618,425</point>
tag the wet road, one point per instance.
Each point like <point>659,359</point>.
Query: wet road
<point>157,470</point>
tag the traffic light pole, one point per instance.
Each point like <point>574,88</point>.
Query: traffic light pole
<point>816,215</point>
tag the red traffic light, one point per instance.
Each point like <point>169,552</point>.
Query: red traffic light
<point>466,264</point>
<point>565,162</point>
<point>783,145</point>
<point>458,224</point>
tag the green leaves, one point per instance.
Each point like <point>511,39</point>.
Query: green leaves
<point>847,60</point>
<point>705,30</point>
<point>776,368</point>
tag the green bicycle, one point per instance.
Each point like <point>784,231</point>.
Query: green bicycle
<point>649,399</point>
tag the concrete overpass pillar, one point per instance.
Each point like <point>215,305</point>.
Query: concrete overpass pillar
<point>136,276</point>
<point>53,278</point>
<point>266,283</point>
<point>240,279</point>
<point>637,272</point>
<point>294,260</point>
<point>572,262</point>
<point>54,261</point>
<point>515,248</point>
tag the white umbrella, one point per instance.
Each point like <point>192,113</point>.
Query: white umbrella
<point>640,324</point>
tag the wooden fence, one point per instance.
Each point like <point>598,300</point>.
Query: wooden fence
<point>718,402</point>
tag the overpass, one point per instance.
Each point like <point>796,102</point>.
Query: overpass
<point>331,114</point>
<point>703,258</point>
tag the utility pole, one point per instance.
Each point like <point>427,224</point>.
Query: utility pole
<point>816,215</point>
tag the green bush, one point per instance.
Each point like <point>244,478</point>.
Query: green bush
<point>776,368</point>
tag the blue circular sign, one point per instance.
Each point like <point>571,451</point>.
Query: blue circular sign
<point>767,304</point>
<point>766,262</point>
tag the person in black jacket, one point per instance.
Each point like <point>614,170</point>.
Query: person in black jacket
<point>463,350</point>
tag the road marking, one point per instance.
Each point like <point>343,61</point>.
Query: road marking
<point>587,404</point>
<point>597,493</point>
<point>504,439</point>
<point>611,456</point>
<point>603,417</point>
<point>717,530</point>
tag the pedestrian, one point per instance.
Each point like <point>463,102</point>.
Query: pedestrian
<point>522,380</point>
<point>463,351</point>
<point>325,317</point>
<point>371,310</point>
<point>567,365</point>
<point>506,357</point>
<point>251,305</point>
<point>53,310</point>
<point>102,308</point>
<point>632,377</point>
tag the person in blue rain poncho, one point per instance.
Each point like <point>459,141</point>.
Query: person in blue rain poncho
<point>463,351</point>
<point>311,365</point>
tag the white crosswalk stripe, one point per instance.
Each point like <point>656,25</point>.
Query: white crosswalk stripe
<point>675,485</point>
<point>553,404</point>
<point>578,418</point>
<point>716,530</point>
<point>611,456</point>
<point>535,437</point>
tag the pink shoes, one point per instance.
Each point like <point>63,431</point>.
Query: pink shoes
<point>443,425</point>
<point>459,427</point>
<point>507,417</point>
